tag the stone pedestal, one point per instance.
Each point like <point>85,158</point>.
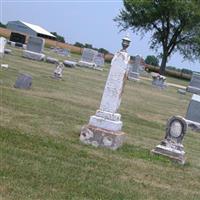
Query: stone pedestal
<point>171,146</point>
<point>171,150</point>
<point>33,55</point>
<point>104,128</point>
<point>99,137</point>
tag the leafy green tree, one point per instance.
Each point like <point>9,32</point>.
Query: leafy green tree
<point>152,60</point>
<point>174,25</point>
<point>78,44</point>
<point>89,46</point>
<point>104,51</point>
<point>2,25</point>
<point>59,37</point>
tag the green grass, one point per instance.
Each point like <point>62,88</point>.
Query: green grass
<point>42,158</point>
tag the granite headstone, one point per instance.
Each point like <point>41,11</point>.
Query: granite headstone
<point>35,44</point>
<point>193,112</point>
<point>23,81</point>
<point>194,86</point>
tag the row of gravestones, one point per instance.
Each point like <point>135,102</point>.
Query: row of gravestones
<point>177,126</point>
<point>104,128</point>
<point>90,58</point>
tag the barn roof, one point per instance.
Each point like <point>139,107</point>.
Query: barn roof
<point>38,29</point>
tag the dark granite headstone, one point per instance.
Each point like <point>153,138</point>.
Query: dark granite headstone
<point>194,86</point>
<point>193,112</point>
<point>23,81</point>
<point>35,44</point>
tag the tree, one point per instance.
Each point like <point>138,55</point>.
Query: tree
<point>59,37</point>
<point>78,44</point>
<point>104,51</point>
<point>152,60</point>
<point>2,25</point>
<point>174,25</point>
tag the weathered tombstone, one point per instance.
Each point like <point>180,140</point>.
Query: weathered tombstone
<point>193,112</point>
<point>4,66</point>
<point>35,44</point>
<point>70,64</point>
<point>63,52</point>
<point>7,51</point>
<point>3,42</point>
<point>159,81</point>
<point>194,86</point>
<point>52,60</point>
<point>34,48</point>
<point>99,60</point>
<point>104,128</point>
<point>58,71</point>
<point>23,81</point>
<point>134,68</point>
<point>87,58</point>
<point>181,91</point>
<point>17,37</point>
<point>33,55</point>
<point>172,146</point>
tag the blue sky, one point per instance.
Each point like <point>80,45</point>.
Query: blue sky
<point>89,21</point>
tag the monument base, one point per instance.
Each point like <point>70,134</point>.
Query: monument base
<point>89,65</point>
<point>52,60</point>
<point>99,137</point>
<point>33,55</point>
<point>195,126</point>
<point>134,76</point>
<point>173,151</point>
<point>70,64</point>
<point>108,124</point>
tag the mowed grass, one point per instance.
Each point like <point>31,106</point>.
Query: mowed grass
<point>42,158</point>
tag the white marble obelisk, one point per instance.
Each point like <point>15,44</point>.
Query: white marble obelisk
<point>104,128</point>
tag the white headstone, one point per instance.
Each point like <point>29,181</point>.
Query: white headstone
<point>3,42</point>
<point>58,70</point>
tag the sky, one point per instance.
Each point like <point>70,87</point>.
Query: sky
<point>85,21</point>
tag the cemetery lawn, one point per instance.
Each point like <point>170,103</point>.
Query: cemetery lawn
<point>42,158</point>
